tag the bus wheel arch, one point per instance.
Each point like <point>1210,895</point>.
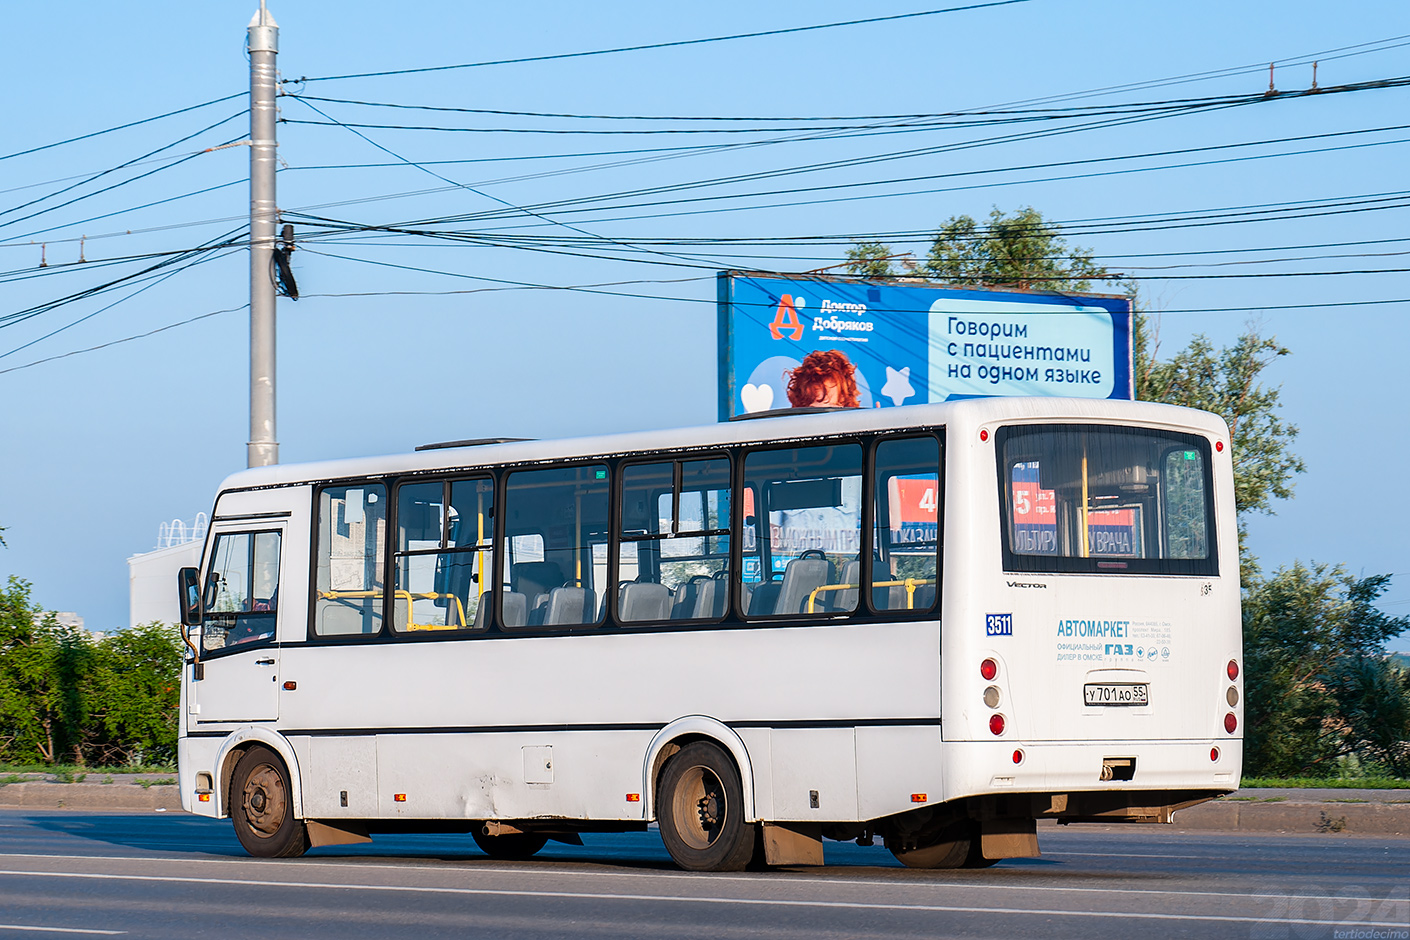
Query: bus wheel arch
<point>234,748</point>
<point>676,735</point>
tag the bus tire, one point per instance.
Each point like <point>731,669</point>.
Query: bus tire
<point>510,846</point>
<point>262,807</point>
<point>700,809</point>
<point>951,848</point>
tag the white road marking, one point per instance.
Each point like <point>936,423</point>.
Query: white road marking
<point>350,862</point>
<point>673,899</point>
<point>106,933</point>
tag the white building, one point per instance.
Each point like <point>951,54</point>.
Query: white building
<point>151,576</point>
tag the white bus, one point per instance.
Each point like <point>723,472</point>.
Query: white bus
<point>933,624</point>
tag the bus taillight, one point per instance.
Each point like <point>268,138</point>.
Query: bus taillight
<point>989,669</point>
<point>1231,723</point>
<point>996,724</point>
<point>1233,670</point>
<point>1018,756</point>
<point>1214,754</point>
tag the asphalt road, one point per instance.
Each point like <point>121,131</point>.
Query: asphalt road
<point>172,875</point>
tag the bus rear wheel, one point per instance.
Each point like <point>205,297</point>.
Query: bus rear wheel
<point>262,807</point>
<point>510,846</point>
<point>952,847</point>
<point>700,809</point>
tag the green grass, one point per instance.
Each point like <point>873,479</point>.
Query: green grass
<point>59,770</point>
<point>163,782</point>
<point>1333,783</point>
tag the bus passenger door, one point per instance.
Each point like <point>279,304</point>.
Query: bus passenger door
<point>241,602</point>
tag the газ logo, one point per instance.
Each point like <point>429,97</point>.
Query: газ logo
<point>786,318</point>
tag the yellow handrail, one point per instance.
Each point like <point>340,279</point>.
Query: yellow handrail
<point>409,597</point>
<point>910,583</point>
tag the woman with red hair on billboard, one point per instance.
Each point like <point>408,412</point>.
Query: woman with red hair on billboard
<point>824,380</point>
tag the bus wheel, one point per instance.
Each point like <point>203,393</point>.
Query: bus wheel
<point>951,849</point>
<point>510,847</point>
<point>262,807</point>
<point>700,809</point>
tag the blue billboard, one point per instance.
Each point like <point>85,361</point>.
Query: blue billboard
<point>804,340</point>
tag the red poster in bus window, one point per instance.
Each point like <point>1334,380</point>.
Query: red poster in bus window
<point>1034,512</point>
<point>914,509</point>
<point>1115,533</point>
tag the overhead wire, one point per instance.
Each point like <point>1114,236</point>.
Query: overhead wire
<point>658,45</point>
<point>120,127</point>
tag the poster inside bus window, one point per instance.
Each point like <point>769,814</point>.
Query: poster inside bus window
<point>913,512</point>
<point>806,341</point>
<point>1111,532</point>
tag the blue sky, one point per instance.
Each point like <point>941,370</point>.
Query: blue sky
<point>100,447</point>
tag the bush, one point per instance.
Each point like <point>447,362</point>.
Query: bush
<point>65,697</point>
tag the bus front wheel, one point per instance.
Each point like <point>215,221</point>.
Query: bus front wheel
<point>700,809</point>
<point>262,807</point>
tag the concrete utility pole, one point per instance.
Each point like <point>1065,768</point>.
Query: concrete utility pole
<point>262,448</point>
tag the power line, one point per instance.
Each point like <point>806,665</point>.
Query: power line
<point>133,179</point>
<point>126,339</point>
<point>120,127</point>
<point>940,120</point>
<point>657,45</point>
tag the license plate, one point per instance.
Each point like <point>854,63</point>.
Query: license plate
<point>1117,693</point>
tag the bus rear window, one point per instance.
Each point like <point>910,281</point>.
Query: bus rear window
<point>1082,498</point>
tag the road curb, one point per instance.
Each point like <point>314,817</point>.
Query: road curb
<point>1286,815</point>
<point>90,797</point>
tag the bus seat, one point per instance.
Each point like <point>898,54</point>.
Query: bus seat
<point>568,605</point>
<point>710,599</point>
<point>764,598</point>
<point>684,606</point>
<point>924,597</point>
<point>799,579</point>
<point>846,599</point>
<point>644,601</point>
<point>532,578</point>
<point>516,609</point>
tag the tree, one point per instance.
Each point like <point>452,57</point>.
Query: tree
<point>1022,250</point>
<point>1019,250</point>
<point>1228,382</point>
<point>1318,688</point>
<point>870,260</point>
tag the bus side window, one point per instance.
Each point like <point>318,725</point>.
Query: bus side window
<point>352,530</point>
<point>908,515</point>
<point>674,541</point>
<point>804,559</point>
<point>444,555</point>
<point>242,590</point>
<point>564,510</point>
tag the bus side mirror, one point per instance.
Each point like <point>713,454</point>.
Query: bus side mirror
<point>188,584</point>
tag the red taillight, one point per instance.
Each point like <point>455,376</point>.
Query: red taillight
<point>1219,446</point>
<point>1018,756</point>
<point>1214,754</point>
<point>988,669</point>
<point>983,435</point>
<point>996,724</point>
<point>1231,723</point>
<point>1233,670</point>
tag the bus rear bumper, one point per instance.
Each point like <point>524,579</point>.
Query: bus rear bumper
<point>1106,780</point>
